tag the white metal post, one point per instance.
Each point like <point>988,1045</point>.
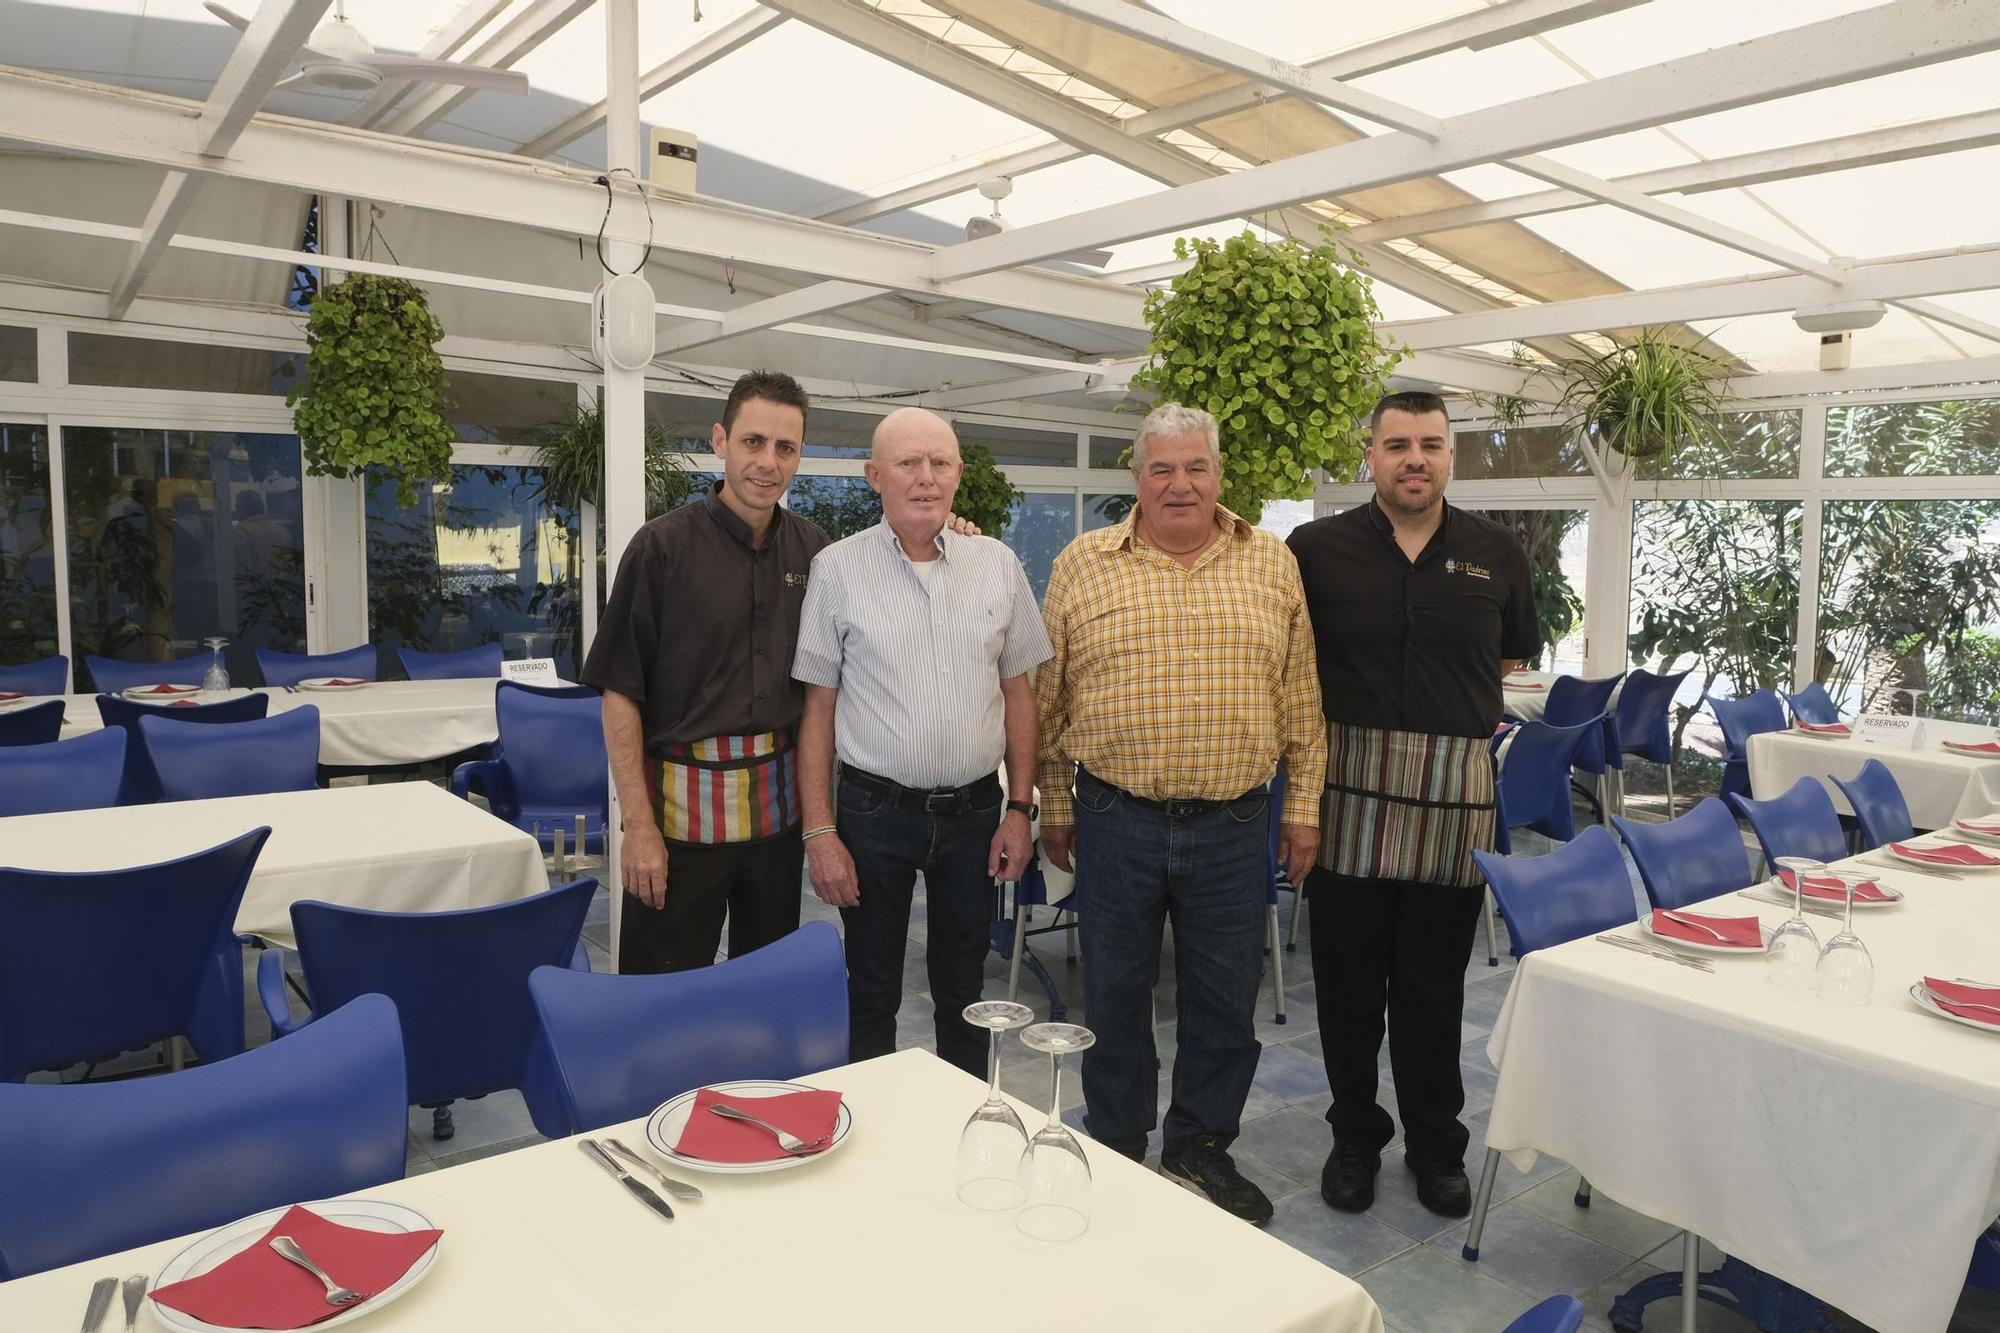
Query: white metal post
<point>1812,472</point>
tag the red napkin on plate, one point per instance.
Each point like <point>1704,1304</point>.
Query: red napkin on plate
<point>1738,932</point>
<point>259,1288</point>
<point>1831,888</point>
<point>337,680</point>
<point>1824,728</point>
<point>183,703</point>
<point>1990,827</point>
<point>810,1115</point>
<point>9,696</point>
<point>1981,1004</point>
<point>1970,747</point>
<point>1946,854</point>
<point>1524,685</point>
<point>168,689</point>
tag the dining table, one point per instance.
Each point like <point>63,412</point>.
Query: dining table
<point>400,847</point>
<point>867,1236</point>
<point>1852,1151</point>
<point>1525,694</point>
<point>1938,784</point>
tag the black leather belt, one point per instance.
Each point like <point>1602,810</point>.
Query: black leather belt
<point>1174,809</point>
<point>932,800</point>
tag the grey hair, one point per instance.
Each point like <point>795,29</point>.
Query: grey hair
<point>1170,419</point>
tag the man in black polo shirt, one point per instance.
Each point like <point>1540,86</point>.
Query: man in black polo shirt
<point>694,655</point>
<point>1418,609</point>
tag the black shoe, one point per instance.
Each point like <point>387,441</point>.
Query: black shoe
<point>1443,1190</point>
<point>1347,1181</point>
<point>1206,1168</point>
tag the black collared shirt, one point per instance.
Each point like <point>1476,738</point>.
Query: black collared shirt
<point>1415,645</point>
<point>700,626</point>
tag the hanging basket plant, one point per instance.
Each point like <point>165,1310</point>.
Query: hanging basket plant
<point>1647,397</point>
<point>1277,341</point>
<point>374,395</point>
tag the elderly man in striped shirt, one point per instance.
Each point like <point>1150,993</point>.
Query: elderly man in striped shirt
<point>914,646</point>
<point>1183,676</point>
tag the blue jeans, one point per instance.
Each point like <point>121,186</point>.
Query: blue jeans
<point>890,842</point>
<point>1205,868</point>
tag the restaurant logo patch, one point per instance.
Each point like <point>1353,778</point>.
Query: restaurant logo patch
<point>795,580</point>
<point>1467,568</point>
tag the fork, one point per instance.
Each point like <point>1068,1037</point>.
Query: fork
<point>1665,956</point>
<point>1691,922</point>
<point>679,1189</point>
<point>789,1142</point>
<point>335,1293</point>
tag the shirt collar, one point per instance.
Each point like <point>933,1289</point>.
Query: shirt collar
<point>727,519</point>
<point>946,539</point>
<point>1127,531</point>
<point>1380,519</point>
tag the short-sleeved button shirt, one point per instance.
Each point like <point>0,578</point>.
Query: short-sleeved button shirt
<point>1415,645</point>
<point>701,625</point>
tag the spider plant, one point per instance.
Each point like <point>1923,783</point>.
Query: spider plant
<point>1647,396</point>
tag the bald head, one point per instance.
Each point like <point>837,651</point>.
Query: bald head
<point>911,424</point>
<point>913,462</point>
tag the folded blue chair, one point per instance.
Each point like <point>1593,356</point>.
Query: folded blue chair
<point>1557,1314</point>
<point>1800,822</point>
<point>459,980</point>
<point>236,759</point>
<point>48,676</point>
<point>609,1048</point>
<point>1573,702</point>
<point>1533,785</point>
<point>550,767</point>
<point>1878,804</point>
<point>1686,860</point>
<point>142,784</point>
<point>1740,720</point>
<point>1644,719</point>
<point>93,1169</point>
<point>1012,933</point>
<point>1814,704</point>
<point>87,773</point>
<point>37,724</point>
<point>291,668</point>
<point>162,959</point>
<point>114,675</point>
<point>471,664</point>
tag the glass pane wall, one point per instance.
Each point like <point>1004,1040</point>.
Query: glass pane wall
<point>27,547</point>
<point>1558,544</point>
<point>1951,439</point>
<point>842,506</point>
<point>1039,525</point>
<point>17,354</point>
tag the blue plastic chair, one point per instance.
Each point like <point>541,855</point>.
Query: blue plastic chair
<point>1985,1271</point>
<point>550,767</point>
<point>1644,719</point>
<point>114,675</point>
<point>609,1048</point>
<point>142,784</point>
<point>48,676</point>
<point>459,980</point>
<point>1012,933</point>
<point>87,773</point>
<point>1557,1314</point>
<point>237,759</point>
<point>1814,704</point>
<point>1878,804</point>
<point>37,724</point>
<point>1573,702</point>
<point>291,668</point>
<point>1801,822</point>
<point>162,959</point>
<point>1741,719</point>
<point>1685,860</point>
<point>471,664</point>
<point>1533,786</point>
<point>93,1169</point>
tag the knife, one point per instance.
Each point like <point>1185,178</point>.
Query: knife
<point>679,1189</point>
<point>135,1294</point>
<point>100,1303</point>
<point>625,1178</point>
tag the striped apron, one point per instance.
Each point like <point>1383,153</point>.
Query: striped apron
<point>729,789</point>
<point>1405,805</point>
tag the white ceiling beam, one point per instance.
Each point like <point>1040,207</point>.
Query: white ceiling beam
<point>850,209</point>
<point>519,36</point>
<point>732,36</point>
<point>1862,379</point>
<point>93,120</point>
<point>254,66</point>
<point>1009,390</point>
<point>1885,39</point>
<point>803,303</point>
<point>456,32</point>
<point>1938,314</point>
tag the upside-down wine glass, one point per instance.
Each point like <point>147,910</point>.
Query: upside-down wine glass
<point>1846,972</point>
<point>990,1146</point>
<point>1054,1174</point>
<point>215,680</point>
<point>1791,959</point>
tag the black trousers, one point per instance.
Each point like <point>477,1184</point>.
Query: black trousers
<point>756,885</point>
<point>1380,943</point>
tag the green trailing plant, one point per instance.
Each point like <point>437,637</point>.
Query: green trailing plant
<point>1277,341</point>
<point>570,456</point>
<point>985,496</point>
<point>374,395</point>
<point>1647,397</point>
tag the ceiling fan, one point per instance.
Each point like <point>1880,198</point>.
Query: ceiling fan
<point>978,228</point>
<point>338,58</point>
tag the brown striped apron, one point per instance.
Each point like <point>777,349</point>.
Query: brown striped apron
<point>1405,805</point>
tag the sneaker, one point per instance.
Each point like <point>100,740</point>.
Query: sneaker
<point>1347,1181</point>
<point>1443,1190</point>
<point>1206,1168</point>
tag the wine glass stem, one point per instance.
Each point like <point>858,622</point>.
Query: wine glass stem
<point>1055,1086</point>
<point>1798,895</point>
<point>1847,921</point>
<point>993,1066</point>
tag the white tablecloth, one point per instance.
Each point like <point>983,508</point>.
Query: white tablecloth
<point>1528,705</point>
<point>871,1238</point>
<point>1938,785</point>
<point>1854,1152</point>
<point>399,847</point>
<point>386,723</point>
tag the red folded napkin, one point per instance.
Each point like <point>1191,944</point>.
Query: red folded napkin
<point>1738,932</point>
<point>809,1115</point>
<point>1946,854</point>
<point>168,689</point>
<point>183,703</point>
<point>9,696</point>
<point>1974,747</point>
<point>1981,1004</point>
<point>1525,685</point>
<point>1824,728</point>
<point>339,680</point>
<point>1831,888</point>
<point>1990,827</point>
<point>259,1288</point>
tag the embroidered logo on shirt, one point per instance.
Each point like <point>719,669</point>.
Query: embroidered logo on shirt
<point>1467,568</point>
<point>795,580</point>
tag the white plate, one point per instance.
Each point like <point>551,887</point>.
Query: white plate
<point>148,693</point>
<point>1962,747</point>
<point>1784,890</point>
<point>1929,1005</point>
<point>326,683</point>
<point>227,1242</point>
<point>1825,735</point>
<point>663,1130</point>
<point>1945,866</point>
<point>21,702</point>
<point>1646,929</point>
<point>1973,835</point>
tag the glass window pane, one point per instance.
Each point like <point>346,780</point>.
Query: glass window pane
<point>842,506</point>
<point>1102,511</point>
<point>1558,545</point>
<point>477,559</point>
<point>17,354</point>
<point>178,535</point>
<point>1010,444</point>
<point>684,419</point>
<point>1523,451</point>
<point>1910,600</point>
<point>1039,525</point>
<point>1752,444</point>
<point>502,409</point>
<point>1958,438</point>
<point>145,363</point>
<point>834,434</point>
<point>27,547</point>
<point>1108,450</point>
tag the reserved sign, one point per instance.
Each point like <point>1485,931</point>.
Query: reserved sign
<point>1889,731</point>
<point>531,671</point>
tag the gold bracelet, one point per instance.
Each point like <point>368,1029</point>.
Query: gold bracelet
<point>816,831</point>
